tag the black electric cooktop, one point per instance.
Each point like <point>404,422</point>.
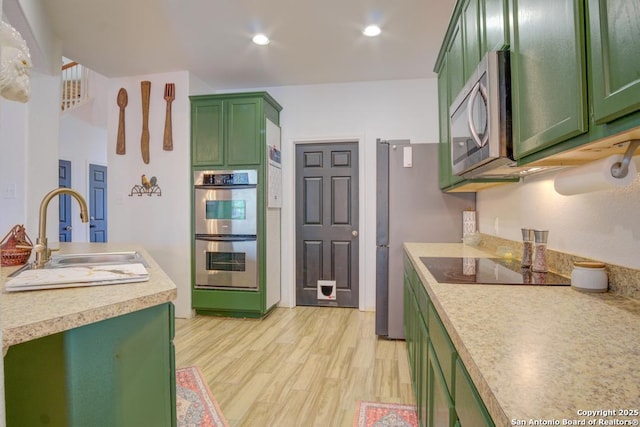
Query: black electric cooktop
<point>489,271</point>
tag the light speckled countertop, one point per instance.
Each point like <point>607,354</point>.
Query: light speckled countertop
<point>537,352</point>
<point>34,314</point>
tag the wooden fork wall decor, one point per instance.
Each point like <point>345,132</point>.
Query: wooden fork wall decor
<point>169,96</point>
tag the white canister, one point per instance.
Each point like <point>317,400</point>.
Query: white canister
<point>589,276</point>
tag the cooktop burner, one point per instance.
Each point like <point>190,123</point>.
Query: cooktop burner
<point>489,271</point>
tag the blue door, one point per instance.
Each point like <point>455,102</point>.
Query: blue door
<point>97,203</point>
<point>64,201</point>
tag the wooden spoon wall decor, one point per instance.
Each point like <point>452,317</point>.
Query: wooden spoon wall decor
<point>122,103</point>
<point>145,88</point>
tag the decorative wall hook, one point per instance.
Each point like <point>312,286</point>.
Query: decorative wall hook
<point>147,186</point>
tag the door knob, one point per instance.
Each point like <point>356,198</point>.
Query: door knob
<point>354,233</point>
<point>68,228</point>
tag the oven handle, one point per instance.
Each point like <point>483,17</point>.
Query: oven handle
<point>228,238</point>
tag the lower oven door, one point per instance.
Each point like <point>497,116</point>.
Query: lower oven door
<point>226,262</point>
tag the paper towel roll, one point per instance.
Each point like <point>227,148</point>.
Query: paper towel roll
<point>594,176</point>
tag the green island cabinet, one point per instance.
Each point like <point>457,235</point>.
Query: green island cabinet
<point>115,372</point>
<point>445,393</point>
<point>575,68</point>
<point>229,131</point>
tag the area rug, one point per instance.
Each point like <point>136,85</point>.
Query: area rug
<point>195,405</point>
<point>371,414</point>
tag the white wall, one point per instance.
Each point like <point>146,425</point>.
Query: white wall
<point>160,224</point>
<point>602,225</point>
<point>364,111</point>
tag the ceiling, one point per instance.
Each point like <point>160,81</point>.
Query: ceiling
<point>311,41</point>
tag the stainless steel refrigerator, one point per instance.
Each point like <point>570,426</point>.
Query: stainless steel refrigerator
<point>410,208</point>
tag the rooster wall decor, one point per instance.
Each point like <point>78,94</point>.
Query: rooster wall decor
<point>146,186</point>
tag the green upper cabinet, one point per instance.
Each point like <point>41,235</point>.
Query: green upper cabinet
<point>459,56</point>
<point>444,153</point>
<point>548,73</point>
<point>207,124</point>
<point>495,28</point>
<point>614,27</point>
<point>243,124</point>
<point>229,129</point>
<point>455,63</point>
<point>471,33</point>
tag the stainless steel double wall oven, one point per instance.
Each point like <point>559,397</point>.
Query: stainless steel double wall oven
<point>225,225</point>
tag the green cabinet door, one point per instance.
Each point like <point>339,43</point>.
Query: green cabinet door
<point>207,132</point>
<point>244,131</point>
<point>455,62</point>
<point>456,80</point>
<point>441,408</point>
<point>469,406</point>
<point>444,153</point>
<point>495,27</point>
<point>548,73</point>
<point>472,37</point>
<point>614,27</point>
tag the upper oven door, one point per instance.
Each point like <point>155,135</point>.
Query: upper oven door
<point>225,211</point>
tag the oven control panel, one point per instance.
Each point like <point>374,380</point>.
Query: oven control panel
<point>225,178</point>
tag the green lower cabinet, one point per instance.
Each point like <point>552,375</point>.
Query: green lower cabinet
<point>441,408</point>
<point>116,372</point>
<point>469,407</point>
<point>422,397</point>
<point>445,394</point>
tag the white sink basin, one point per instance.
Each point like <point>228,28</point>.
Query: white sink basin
<point>103,258</point>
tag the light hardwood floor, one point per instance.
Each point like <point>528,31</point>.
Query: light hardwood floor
<point>297,367</point>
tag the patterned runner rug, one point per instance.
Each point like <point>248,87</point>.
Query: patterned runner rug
<point>370,414</point>
<point>195,405</point>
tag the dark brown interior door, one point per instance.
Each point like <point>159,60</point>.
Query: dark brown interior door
<point>327,222</point>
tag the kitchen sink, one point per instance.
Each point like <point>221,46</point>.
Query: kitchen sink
<point>104,258</point>
<point>89,260</point>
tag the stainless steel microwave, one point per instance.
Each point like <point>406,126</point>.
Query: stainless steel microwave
<point>480,121</point>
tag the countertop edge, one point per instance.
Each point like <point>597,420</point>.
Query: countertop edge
<point>37,330</point>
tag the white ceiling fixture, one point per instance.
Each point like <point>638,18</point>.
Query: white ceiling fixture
<point>372,31</point>
<point>261,39</point>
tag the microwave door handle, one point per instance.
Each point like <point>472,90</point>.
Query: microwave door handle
<point>478,88</point>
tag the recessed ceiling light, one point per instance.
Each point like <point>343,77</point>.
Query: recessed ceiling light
<point>261,39</point>
<point>371,31</point>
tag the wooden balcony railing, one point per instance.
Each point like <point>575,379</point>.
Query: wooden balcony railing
<point>75,85</point>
